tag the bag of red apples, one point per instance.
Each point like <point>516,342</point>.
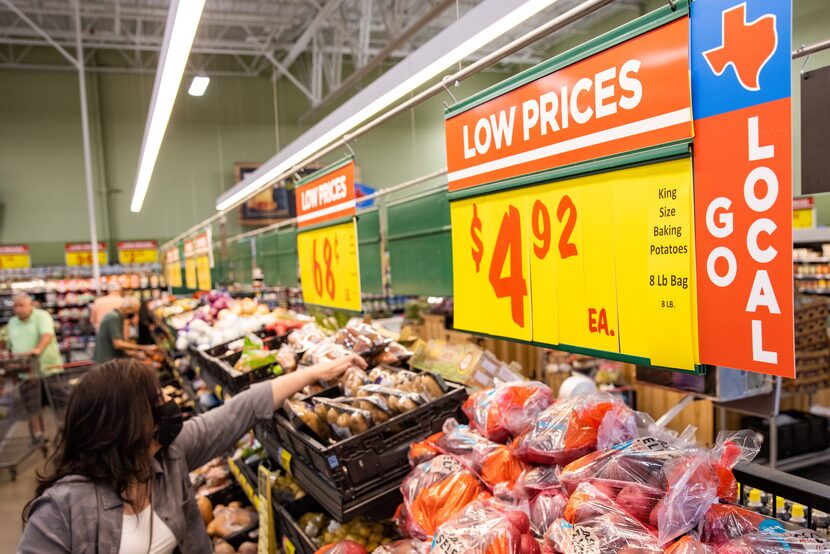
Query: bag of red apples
<point>486,527</point>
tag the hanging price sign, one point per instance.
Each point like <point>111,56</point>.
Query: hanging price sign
<point>173,267</point>
<point>189,266</point>
<point>15,257</point>
<point>204,252</point>
<point>603,263</point>
<point>741,70</point>
<point>138,252</point>
<point>326,195</point>
<point>80,254</point>
<point>575,222</point>
<point>329,267</point>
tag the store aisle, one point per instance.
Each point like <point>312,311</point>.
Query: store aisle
<point>15,495</point>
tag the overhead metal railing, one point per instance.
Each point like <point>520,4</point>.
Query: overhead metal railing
<point>377,194</point>
<point>485,62</point>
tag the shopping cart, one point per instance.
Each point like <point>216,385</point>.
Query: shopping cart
<point>20,400</point>
<point>59,387</point>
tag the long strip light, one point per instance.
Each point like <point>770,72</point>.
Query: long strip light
<point>453,56</point>
<point>182,22</point>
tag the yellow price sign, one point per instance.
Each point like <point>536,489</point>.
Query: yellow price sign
<point>127,257</point>
<point>81,254</point>
<point>15,257</point>
<point>203,278</point>
<point>603,262</point>
<point>190,273</point>
<point>189,266</point>
<point>329,266</point>
<point>803,219</point>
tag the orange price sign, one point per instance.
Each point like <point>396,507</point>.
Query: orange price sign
<point>329,267</point>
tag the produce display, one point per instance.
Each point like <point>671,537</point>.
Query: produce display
<point>589,475</point>
<point>211,477</point>
<point>529,474</point>
<point>361,534</point>
<point>217,318</point>
<point>363,399</point>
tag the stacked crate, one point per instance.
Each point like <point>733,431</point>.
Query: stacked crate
<point>812,348</point>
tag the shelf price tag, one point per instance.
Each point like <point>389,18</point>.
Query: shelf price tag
<point>267,532</point>
<point>138,252</point>
<point>78,254</point>
<point>285,459</point>
<point>203,249</point>
<point>15,257</point>
<point>189,266</point>
<point>173,267</point>
<point>329,266</point>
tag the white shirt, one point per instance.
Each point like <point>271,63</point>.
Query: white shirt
<point>135,535</point>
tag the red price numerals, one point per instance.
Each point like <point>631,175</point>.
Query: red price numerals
<point>508,249</point>
<point>328,255</point>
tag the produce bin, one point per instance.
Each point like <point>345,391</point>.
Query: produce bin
<point>380,451</point>
<point>220,370</point>
<point>808,433</point>
<point>375,499</point>
<point>290,537</point>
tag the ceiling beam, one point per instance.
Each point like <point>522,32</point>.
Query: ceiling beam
<point>41,32</point>
<point>356,76</point>
<point>303,40</point>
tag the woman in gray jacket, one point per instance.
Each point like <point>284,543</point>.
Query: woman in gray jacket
<point>118,480</point>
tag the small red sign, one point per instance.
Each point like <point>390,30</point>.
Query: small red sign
<point>327,197</point>
<point>138,245</point>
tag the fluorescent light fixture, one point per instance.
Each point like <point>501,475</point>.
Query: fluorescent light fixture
<point>198,85</point>
<point>518,15</point>
<point>182,22</point>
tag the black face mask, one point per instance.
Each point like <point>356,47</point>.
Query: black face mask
<point>170,421</point>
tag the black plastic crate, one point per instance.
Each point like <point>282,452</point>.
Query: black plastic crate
<point>809,433</point>
<point>380,451</point>
<point>290,537</point>
<point>786,434</point>
<point>221,349</point>
<point>376,499</point>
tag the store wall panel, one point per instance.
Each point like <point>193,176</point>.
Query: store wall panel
<point>419,245</point>
<point>369,248</point>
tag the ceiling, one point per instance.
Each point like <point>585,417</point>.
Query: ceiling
<point>323,47</point>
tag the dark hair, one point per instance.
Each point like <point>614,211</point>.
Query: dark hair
<point>108,428</point>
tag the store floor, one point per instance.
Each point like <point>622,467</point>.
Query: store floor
<point>15,495</point>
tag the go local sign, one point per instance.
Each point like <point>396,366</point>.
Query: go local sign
<point>327,237</point>
<point>580,216</point>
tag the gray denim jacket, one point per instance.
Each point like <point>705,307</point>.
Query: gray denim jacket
<point>77,516</point>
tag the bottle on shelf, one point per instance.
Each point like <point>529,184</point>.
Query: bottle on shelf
<point>797,515</point>
<point>755,502</point>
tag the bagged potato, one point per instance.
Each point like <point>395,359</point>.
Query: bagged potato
<point>343,420</point>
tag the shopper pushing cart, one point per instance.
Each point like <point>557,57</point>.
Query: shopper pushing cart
<point>20,405</point>
<point>31,333</point>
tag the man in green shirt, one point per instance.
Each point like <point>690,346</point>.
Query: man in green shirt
<point>31,332</point>
<point>110,342</point>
